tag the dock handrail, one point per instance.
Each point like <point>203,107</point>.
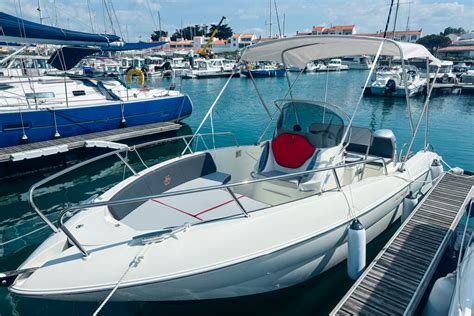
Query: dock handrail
<point>75,208</point>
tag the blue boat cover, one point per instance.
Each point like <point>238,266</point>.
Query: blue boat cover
<point>65,58</point>
<point>14,29</point>
<point>132,46</point>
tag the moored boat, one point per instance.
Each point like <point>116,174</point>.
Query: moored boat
<point>247,219</point>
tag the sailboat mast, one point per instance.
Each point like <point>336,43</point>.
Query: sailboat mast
<point>270,19</point>
<point>159,22</point>
<point>395,20</point>
<point>408,18</point>
<point>278,18</point>
<point>283,24</point>
<point>39,12</point>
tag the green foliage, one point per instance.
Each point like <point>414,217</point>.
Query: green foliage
<point>224,32</point>
<point>157,35</point>
<point>189,32</point>
<point>453,30</point>
<point>433,42</point>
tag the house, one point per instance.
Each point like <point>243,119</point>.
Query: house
<point>333,30</point>
<point>457,52</point>
<point>182,44</point>
<point>239,41</point>
<point>404,36</point>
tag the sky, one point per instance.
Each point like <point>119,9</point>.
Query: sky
<point>138,18</point>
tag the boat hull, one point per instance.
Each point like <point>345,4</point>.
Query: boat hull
<point>40,124</point>
<point>268,272</point>
<point>263,73</point>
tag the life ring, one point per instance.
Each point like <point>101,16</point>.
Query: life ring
<point>136,72</point>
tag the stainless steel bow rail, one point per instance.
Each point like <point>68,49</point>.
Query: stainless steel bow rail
<point>76,208</point>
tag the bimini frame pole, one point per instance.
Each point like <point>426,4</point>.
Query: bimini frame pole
<point>208,112</point>
<point>407,94</point>
<point>425,108</point>
<point>258,91</point>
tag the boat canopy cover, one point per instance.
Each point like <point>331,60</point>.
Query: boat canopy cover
<point>300,50</point>
<point>16,30</point>
<point>65,58</point>
<point>133,46</point>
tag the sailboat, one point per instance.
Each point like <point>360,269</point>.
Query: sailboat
<point>47,107</point>
<point>237,220</point>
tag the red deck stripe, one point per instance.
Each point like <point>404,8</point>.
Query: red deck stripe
<point>184,212</point>
<point>217,206</point>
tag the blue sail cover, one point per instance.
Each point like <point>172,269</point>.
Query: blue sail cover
<point>16,30</point>
<point>65,58</point>
<point>133,46</point>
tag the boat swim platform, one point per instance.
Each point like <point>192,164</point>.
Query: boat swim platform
<point>60,145</point>
<point>395,281</point>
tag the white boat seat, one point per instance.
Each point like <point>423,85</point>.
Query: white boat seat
<point>190,208</point>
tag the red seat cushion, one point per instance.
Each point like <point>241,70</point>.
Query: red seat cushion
<point>291,150</point>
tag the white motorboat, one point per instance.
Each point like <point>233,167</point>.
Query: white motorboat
<point>468,76</point>
<point>314,67</point>
<point>445,73</point>
<point>209,68</point>
<point>236,220</point>
<point>336,65</point>
<point>389,82</point>
<point>357,62</point>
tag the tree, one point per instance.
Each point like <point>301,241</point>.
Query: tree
<point>453,30</point>
<point>224,31</point>
<point>157,35</point>
<point>189,32</point>
<point>433,42</point>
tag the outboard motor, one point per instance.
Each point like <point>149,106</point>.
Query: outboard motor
<point>384,144</point>
<point>390,87</point>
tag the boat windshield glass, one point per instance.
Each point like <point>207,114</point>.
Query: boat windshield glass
<point>320,124</point>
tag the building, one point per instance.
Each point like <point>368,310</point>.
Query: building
<point>462,48</point>
<point>239,41</point>
<point>456,52</point>
<point>333,30</point>
<point>181,44</point>
<point>404,36</point>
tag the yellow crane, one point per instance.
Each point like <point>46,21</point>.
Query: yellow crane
<point>205,51</point>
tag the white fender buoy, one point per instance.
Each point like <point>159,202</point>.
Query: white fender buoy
<point>440,297</point>
<point>123,123</point>
<point>56,135</point>
<point>24,139</point>
<point>356,249</point>
<point>409,204</point>
<point>436,169</point>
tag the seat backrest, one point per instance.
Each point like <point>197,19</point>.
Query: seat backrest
<point>291,150</point>
<point>360,141</point>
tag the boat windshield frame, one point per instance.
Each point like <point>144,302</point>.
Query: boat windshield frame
<point>328,109</point>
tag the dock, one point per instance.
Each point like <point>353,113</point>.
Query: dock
<point>60,145</point>
<point>395,281</point>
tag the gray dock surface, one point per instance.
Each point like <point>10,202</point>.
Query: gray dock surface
<point>79,141</point>
<point>395,281</point>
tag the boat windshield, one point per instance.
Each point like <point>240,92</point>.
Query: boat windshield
<point>316,121</point>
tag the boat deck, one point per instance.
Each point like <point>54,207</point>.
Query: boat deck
<point>395,281</point>
<point>51,147</point>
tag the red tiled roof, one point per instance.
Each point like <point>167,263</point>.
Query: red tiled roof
<point>456,48</point>
<point>342,27</point>
<point>390,34</point>
<point>318,28</point>
<point>219,42</point>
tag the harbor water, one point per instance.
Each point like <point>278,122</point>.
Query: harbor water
<point>450,130</point>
